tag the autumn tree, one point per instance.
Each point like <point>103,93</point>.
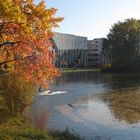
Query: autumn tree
<point>123,41</point>
<point>25,33</point>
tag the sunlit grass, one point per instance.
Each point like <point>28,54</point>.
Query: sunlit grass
<point>79,69</point>
<point>20,129</point>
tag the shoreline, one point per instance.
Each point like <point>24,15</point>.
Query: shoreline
<point>65,70</point>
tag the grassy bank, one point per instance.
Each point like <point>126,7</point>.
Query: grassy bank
<point>19,129</point>
<point>79,69</point>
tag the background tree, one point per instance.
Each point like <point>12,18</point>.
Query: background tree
<point>124,39</point>
<point>25,33</point>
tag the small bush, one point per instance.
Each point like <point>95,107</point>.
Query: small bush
<point>16,93</point>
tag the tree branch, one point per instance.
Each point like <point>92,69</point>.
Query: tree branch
<point>8,61</point>
<point>7,43</point>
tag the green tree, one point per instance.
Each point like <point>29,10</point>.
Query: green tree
<point>124,39</point>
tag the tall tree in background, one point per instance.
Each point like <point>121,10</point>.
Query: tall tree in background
<point>124,40</point>
<point>25,33</point>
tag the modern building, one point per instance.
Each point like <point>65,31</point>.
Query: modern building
<point>76,51</point>
<point>94,52</point>
<point>71,50</point>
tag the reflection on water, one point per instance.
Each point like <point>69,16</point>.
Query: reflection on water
<point>96,105</point>
<point>124,104</point>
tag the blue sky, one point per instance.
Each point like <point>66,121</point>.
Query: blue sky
<point>93,18</point>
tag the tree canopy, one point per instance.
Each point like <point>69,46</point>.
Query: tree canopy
<point>123,41</point>
<point>25,33</point>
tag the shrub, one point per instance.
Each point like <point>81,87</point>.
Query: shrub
<point>17,93</point>
<point>19,129</point>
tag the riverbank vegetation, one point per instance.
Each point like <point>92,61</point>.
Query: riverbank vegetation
<point>123,45</point>
<point>20,129</point>
<point>16,93</point>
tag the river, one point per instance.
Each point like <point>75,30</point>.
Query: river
<point>96,105</point>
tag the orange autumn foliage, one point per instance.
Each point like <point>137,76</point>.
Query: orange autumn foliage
<point>25,33</point>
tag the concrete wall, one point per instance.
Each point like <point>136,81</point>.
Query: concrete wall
<point>68,42</point>
<point>77,51</point>
<point>71,50</point>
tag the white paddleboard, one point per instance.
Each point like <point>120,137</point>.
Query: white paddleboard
<point>48,92</point>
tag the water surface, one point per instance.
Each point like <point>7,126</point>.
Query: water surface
<point>97,105</point>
